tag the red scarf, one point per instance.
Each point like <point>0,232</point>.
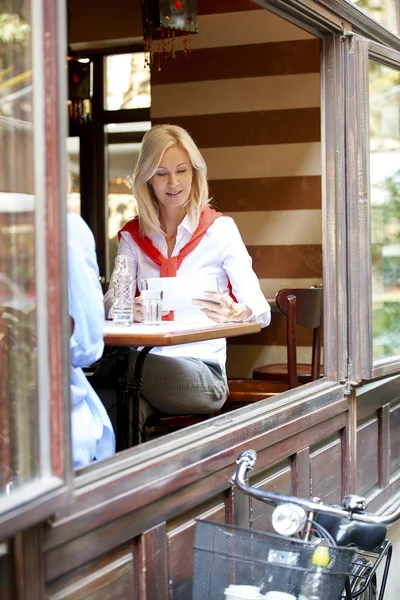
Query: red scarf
<point>170,266</point>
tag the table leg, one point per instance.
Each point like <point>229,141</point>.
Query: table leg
<point>134,388</point>
<point>122,440</point>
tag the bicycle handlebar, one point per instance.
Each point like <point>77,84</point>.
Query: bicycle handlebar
<point>247,460</point>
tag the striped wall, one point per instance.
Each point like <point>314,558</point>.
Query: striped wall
<point>250,96</point>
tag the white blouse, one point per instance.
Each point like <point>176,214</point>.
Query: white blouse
<point>221,252</point>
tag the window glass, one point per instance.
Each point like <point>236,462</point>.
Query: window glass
<point>122,153</point>
<point>384,85</point>
<point>127,81</point>
<point>386,12</point>
<point>121,205</point>
<point>19,441</point>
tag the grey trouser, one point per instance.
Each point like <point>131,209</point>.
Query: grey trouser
<point>180,385</point>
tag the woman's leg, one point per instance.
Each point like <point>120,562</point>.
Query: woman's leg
<point>176,385</point>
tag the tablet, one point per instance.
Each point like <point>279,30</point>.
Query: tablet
<point>178,292</point>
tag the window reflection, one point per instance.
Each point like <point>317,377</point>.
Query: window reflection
<point>386,12</point>
<point>127,81</point>
<point>121,205</point>
<point>384,84</point>
<point>18,389</point>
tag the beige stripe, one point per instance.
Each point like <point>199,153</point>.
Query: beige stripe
<point>241,360</point>
<point>274,160</point>
<point>277,92</point>
<point>240,28</point>
<point>271,286</point>
<point>279,227</point>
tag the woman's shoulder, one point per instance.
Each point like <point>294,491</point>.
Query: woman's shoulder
<point>224,225</point>
<point>224,222</point>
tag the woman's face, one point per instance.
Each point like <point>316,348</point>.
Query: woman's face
<point>172,181</point>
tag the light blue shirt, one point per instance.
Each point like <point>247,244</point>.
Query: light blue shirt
<point>92,433</point>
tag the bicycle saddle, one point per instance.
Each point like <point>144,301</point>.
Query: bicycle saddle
<point>366,536</point>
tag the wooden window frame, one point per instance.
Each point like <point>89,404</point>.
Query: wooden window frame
<point>359,52</point>
<point>51,489</point>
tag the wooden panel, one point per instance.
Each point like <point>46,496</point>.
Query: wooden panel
<point>279,480</point>
<point>180,545</point>
<point>395,438</point>
<point>367,457</point>
<point>6,574</point>
<point>111,578</point>
<point>166,484</point>
<point>326,471</point>
<point>384,445</point>
<point>153,577</point>
<point>267,193</point>
<point>301,483</point>
<point>292,126</point>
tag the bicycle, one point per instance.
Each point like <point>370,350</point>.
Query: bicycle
<point>229,560</point>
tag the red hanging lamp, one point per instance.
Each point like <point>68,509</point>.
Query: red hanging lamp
<point>163,21</point>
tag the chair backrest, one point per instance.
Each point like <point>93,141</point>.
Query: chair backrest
<point>304,307</point>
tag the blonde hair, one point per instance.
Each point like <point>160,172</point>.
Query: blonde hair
<point>154,144</point>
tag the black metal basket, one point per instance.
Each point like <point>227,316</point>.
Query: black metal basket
<point>225,555</point>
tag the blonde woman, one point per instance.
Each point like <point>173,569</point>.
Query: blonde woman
<point>177,233</point>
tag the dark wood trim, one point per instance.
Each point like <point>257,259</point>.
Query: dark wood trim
<point>251,128</point>
<point>369,401</point>
<point>267,193</point>
<point>383,497</point>
<point>301,473</point>
<point>384,445</point>
<point>251,60</point>
<point>125,115</point>
<point>212,7</point>
<point>349,449</point>
<point>154,563</point>
<point>94,205</point>
<point>33,583</point>
<point>125,137</point>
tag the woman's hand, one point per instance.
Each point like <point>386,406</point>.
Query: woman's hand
<point>138,310</point>
<point>222,309</point>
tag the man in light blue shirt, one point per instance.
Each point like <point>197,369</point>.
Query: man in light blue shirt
<point>92,433</point>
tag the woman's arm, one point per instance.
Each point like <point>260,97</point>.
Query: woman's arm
<point>250,301</point>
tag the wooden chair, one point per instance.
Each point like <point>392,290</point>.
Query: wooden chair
<point>301,306</point>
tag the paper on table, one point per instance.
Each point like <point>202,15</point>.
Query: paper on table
<point>178,292</point>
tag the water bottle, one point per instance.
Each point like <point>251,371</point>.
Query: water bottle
<point>123,298</point>
<point>315,584</point>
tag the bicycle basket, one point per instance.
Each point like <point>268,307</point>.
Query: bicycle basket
<point>224,555</point>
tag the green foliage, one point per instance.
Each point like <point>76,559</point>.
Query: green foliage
<point>13,30</point>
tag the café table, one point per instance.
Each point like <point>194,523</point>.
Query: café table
<point>145,338</point>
